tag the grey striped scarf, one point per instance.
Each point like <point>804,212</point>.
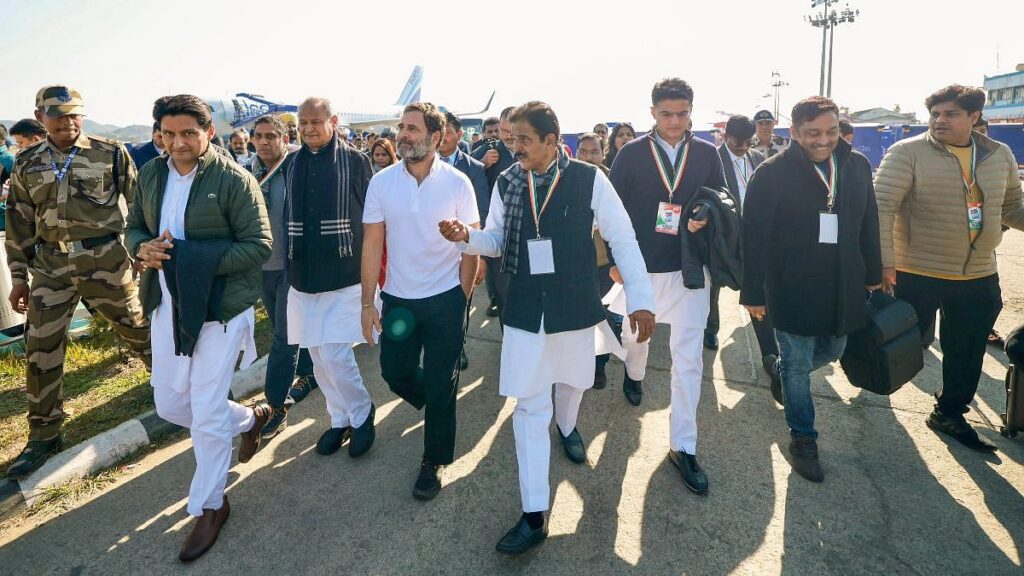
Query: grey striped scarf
<point>516,189</point>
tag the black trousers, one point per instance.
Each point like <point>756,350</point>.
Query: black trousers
<point>968,310</point>
<point>433,327</point>
<point>763,329</point>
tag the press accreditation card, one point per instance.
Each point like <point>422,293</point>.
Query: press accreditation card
<point>542,259</point>
<point>974,215</point>
<point>669,216</point>
<point>828,228</point>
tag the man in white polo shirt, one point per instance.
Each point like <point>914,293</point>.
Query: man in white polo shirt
<point>428,281</point>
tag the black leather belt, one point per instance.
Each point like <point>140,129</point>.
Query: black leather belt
<point>81,245</point>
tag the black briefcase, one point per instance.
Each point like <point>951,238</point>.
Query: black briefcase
<point>1013,418</point>
<point>887,353</point>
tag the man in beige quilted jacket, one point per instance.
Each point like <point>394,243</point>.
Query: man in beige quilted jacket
<point>942,198</point>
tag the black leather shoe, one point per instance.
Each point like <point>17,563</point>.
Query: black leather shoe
<point>331,441</point>
<point>959,429</point>
<point>710,340</point>
<point>693,476</point>
<point>521,538</point>
<point>463,361</point>
<point>771,365</point>
<point>633,390</point>
<point>301,388</point>
<point>492,310</point>
<point>34,455</point>
<point>574,447</point>
<point>600,379</point>
<point>277,423</point>
<point>428,483</point>
<point>362,437</point>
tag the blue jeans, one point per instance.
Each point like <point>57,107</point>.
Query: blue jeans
<point>281,362</point>
<point>798,357</point>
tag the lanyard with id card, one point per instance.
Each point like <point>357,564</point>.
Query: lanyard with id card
<point>828,221</point>
<point>669,215</point>
<point>542,257</point>
<point>974,204</point>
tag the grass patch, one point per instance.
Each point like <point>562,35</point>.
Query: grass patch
<point>104,385</point>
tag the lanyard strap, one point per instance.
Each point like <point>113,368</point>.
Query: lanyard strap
<point>830,182</point>
<point>970,182</point>
<point>671,184</point>
<point>270,173</point>
<point>533,196</point>
<point>59,174</point>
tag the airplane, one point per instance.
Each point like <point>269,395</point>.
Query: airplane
<point>242,109</point>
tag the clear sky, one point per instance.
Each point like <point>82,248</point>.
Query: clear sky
<point>592,61</point>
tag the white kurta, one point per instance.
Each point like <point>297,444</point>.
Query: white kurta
<point>326,318</point>
<point>328,324</point>
<point>192,391</point>
<point>677,305</point>
<point>531,362</point>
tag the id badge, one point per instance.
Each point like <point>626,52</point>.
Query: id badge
<point>974,215</point>
<point>669,216</point>
<point>828,228</point>
<point>542,258</point>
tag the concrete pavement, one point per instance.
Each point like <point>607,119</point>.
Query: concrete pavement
<point>897,499</point>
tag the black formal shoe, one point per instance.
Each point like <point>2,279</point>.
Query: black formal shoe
<point>573,445</point>
<point>492,310</point>
<point>633,390</point>
<point>463,361</point>
<point>521,538</point>
<point>331,441</point>
<point>277,423</point>
<point>959,429</point>
<point>34,455</point>
<point>600,379</point>
<point>428,483</point>
<point>771,365</point>
<point>301,388</point>
<point>362,438</point>
<point>710,340</point>
<point>693,475</point>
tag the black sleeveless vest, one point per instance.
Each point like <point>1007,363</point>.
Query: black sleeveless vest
<point>569,299</point>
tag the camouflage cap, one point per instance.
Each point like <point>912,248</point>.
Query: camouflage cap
<point>59,100</point>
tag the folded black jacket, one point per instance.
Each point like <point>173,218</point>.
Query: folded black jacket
<point>196,291</point>
<point>719,246</point>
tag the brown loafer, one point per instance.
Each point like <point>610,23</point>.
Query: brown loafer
<point>251,439</point>
<point>204,532</point>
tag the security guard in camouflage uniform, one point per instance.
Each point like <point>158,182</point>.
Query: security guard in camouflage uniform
<point>65,220</point>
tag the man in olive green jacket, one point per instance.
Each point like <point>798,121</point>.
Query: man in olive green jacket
<point>942,199</point>
<point>197,199</point>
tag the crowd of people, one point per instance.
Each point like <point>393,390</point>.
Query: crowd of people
<point>382,238</point>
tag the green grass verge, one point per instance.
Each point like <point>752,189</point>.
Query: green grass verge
<point>103,386</point>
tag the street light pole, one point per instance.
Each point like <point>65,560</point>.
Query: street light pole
<point>828,21</point>
<point>776,84</point>
<point>822,21</point>
<point>846,15</point>
<point>831,44</point>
